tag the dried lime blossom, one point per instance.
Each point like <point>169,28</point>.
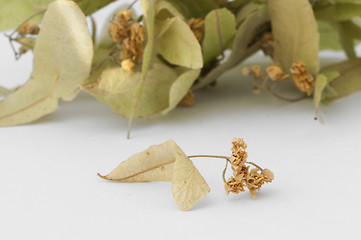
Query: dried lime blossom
<point>28,28</point>
<point>197,27</point>
<point>275,72</point>
<point>242,175</point>
<point>303,80</point>
<point>267,44</point>
<point>129,34</point>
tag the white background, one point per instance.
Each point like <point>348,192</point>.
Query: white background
<point>49,188</point>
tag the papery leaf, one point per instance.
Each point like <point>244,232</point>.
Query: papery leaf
<point>153,164</point>
<point>220,28</point>
<point>15,12</point>
<point>165,9</point>
<point>338,12</point>
<point>164,162</point>
<point>295,33</point>
<point>348,81</point>
<point>329,36</point>
<point>62,58</point>
<point>180,88</point>
<point>322,80</point>
<point>116,87</point>
<point>188,185</point>
<point>176,42</point>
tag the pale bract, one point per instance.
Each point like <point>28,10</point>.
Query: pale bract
<point>62,60</point>
<point>164,162</point>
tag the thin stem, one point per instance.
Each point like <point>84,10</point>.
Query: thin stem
<point>224,172</point>
<point>94,30</point>
<point>255,165</point>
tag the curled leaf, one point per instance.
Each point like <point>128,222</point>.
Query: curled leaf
<point>164,162</point>
<point>177,44</point>
<point>62,58</point>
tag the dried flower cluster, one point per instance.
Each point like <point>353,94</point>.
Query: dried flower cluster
<point>267,44</point>
<point>197,27</point>
<point>130,35</point>
<point>303,80</point>
<point>243,177</point>
<point>275,72</point>
<point>28,28</point>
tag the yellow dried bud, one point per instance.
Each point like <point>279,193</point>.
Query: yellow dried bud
<point>256,71</point>
<point>197,27</point>
<point>117,31</point>
<point>275,72</point>
<point>245,71</point>
<point>26,28</point>
<point>268,175</point>
<point>303,80</point>
<point>125,16</point>
<point>128,64</point>
<point>187,100</point>
<point>267,44</point>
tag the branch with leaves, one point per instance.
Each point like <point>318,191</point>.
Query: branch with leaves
<point>167,162</point>
<point>152,63</point>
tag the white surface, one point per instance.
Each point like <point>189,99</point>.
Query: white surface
<point>49,188</point>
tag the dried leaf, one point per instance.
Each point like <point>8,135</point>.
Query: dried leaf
<point>153,164</point>
<point>188,185</point>
<point>329,36</point>
<point>117,87</point>
<point>176,42</point>
<point>62,58</point>
<point>347,83</point>
<point>220,28</point>
<point>339,11</point>
<point>164,162</point>
<point>15,12</point>
<point>252,17</point>
<point>295,33</point>
<point>195,8</point>
<point>180,88</point>
<point>322,80</point>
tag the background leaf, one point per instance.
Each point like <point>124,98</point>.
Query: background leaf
<point>295,33</point>
<point>62,58</point>
<point>220,28</point>
<point>177,43</point>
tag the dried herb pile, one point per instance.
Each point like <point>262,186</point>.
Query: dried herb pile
<point>151,63</point>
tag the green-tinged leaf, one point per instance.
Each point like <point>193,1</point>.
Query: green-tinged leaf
<point>295,33</point>
<point>348,81</point>
<point>329,36</point>
<point>244,44</point>
<point>220,28</point>
<point>62,59</point>
<point>195,8</point>
<point>176,42</point>
<point>348,44</point>
<point>322,80</point>
<point>351,29</point>
<point>165,9</point>
<point>116,87</point>
<point>180,88</point>
<point>338,11</point>
<point>15,12</point>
